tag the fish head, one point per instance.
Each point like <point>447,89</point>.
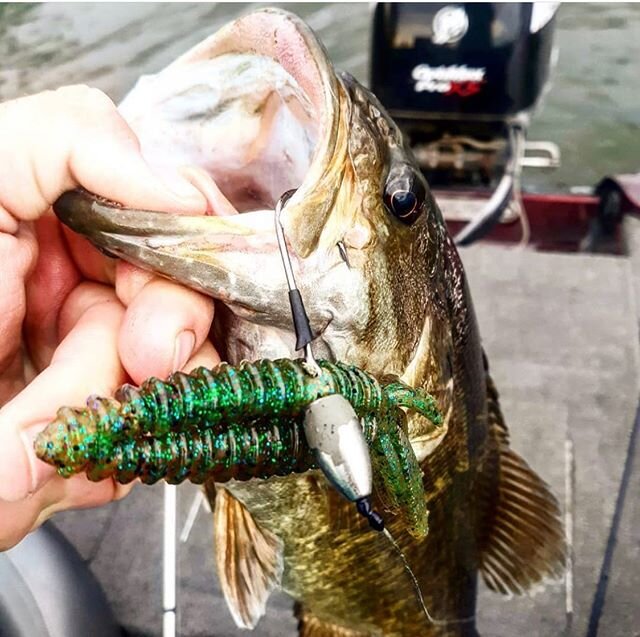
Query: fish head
<point>259,109</point>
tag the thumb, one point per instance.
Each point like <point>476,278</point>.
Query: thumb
<point>58,140</point>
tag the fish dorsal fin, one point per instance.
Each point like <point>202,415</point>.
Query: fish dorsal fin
<point>248,559</point>
<point>524,542</point>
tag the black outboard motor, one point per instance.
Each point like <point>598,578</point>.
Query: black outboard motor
<point>462,80</point>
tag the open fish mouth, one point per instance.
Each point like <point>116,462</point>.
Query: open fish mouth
<point>254,112</point>
<point>242,117</point>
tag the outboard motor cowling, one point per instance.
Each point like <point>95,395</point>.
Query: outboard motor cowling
<point>461,81</point>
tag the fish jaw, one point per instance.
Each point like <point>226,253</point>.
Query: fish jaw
<point>234,259</point>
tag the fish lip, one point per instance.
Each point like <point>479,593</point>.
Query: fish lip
<point>206,253</point>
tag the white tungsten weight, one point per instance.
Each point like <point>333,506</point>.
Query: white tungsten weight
<point>334,433</point>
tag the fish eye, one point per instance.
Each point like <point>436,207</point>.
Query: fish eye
<point>404,198</point>
<point>402,203</point>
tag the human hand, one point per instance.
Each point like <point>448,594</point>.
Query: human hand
<point>72,321</point>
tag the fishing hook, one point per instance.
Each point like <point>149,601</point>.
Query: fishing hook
<point>331,425</point>
<point>304,335</point>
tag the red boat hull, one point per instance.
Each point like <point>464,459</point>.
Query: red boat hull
<point>556,222</point>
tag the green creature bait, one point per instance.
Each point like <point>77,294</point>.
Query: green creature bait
<point>238,422</point>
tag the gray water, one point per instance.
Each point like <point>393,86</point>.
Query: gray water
<point>592,110</point>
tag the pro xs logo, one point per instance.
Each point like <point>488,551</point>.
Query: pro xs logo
<point>450,80</point>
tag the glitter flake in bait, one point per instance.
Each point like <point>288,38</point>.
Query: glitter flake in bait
<point>239,422</point>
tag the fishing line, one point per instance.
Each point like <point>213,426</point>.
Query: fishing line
<point>418,592</point>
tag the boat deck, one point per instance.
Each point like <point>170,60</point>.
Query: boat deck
<point>561,333</point>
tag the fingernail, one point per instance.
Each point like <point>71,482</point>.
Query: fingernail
<point>40,471</point>
<point>181,186</point>
<point>16,464</point>
<point>183,349</point>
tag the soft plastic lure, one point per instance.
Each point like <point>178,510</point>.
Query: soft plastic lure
<point>239,422</point>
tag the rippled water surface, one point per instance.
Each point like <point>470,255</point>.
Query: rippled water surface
<point>592,110</point>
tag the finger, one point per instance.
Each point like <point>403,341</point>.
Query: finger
<point>13,379</point>
<point>84,298</point>
<point>164,324</point>
<point>8,223</point>
<point>206,356</point>
<point>80,493</point>
<point>86,362</point>
<point>59,494</point>
<point>91,263</point>
<point>57,140</point>
<point>17,255</point>
<point>130,280</point>
<point>47,288</point>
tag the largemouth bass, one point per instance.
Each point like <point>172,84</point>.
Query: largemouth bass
<point>259,107</point>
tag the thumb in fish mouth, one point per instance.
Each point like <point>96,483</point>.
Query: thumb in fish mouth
<point>201,180</point>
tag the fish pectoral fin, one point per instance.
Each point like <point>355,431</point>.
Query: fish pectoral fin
<point>525,545</point>
<point>523,542</point>
<point>248,559</point>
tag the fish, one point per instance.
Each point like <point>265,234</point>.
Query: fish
<point>260,109</point>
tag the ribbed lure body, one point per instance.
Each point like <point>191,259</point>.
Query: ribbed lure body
<point>260,449</point>
<point>207,397</point>
<point>237,422</point>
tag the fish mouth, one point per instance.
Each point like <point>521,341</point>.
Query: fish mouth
<point>256,108</point>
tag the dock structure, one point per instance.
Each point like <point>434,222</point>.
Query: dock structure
<point>561,334</point>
